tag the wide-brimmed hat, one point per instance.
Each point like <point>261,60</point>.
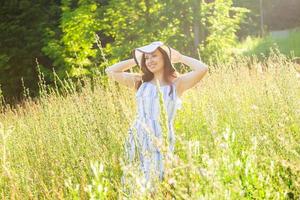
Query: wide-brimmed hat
<point>138,52</point>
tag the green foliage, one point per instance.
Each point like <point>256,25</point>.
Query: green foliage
<point>262,47</point>
<point>222,21</point>
<point>21,32</point>
<point>64,38</point>
<point>135,24</point>
<point>277,15</point>
<point>97,188</point>
<point>251,24</point>
<point>64,35</point>
<point>72,52</point>
<point>132,24</point>
<point>163,120</point>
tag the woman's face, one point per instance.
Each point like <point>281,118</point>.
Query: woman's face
<point>154,61</point>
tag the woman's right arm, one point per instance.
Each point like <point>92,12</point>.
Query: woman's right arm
<point>116,72</point>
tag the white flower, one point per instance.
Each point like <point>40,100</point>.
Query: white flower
<point>238,163</point>
<point>254,107</point>
<point>172,181</point>
<point>224,145</point>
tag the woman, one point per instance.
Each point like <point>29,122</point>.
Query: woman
<point>158,74</point>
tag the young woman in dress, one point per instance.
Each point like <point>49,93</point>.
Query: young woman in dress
<point>155,61</point>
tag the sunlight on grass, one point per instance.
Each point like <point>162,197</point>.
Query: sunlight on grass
<point>290,46</point>
<point>238,137</point>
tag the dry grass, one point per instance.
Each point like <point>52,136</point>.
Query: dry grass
<point>238,137</point>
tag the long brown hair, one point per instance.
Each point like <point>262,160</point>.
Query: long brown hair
<point>169,71</point>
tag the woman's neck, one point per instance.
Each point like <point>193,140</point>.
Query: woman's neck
<point>158,77</point>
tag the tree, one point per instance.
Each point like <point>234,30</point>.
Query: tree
<point>222,21</point>
<point>21,30</point>
<point>61,35</point>
<point>71,49</point>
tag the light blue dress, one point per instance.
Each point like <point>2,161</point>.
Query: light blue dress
<point>146,126</point>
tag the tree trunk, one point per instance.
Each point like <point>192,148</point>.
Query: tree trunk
<point>262,32</point>
<point>196,24</point>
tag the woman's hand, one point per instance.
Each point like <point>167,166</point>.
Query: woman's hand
<point>176,57</point>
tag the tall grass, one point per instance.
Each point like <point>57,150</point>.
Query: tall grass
<point>289,46</point>
<point>238,137</point>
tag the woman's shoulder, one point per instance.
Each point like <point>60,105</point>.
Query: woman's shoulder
<point>175,79</point>
<point>137,76</point>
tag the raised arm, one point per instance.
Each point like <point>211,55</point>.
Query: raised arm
<point>116,72</point>
<point>190,79</point>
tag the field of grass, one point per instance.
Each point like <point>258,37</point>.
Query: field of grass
<point>238,136</point>
<point>289,46</point>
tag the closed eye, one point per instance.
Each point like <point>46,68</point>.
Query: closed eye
<point>149,57</point>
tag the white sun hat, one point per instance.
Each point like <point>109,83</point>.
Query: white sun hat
<point>138,52</point>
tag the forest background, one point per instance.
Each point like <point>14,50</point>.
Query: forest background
<point>62,38</point>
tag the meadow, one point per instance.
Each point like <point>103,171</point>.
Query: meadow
<point>260,46</point>
<point>238,136</point>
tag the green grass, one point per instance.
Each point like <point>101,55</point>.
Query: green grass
<point>238,137</point>
<point>289,46</point>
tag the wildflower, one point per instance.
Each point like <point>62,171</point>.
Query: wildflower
<point>224,145</point>
<point>254,107</point>
<point>172,181</point>
<point>238,163</point>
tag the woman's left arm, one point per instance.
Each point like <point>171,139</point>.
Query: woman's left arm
<point>190,79</point>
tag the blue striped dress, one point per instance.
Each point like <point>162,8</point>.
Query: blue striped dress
<point>139,144</point>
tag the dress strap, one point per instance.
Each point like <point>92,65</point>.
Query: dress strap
<point>141,89</point>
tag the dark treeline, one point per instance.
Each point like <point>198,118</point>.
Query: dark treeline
<point>65,36</point>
